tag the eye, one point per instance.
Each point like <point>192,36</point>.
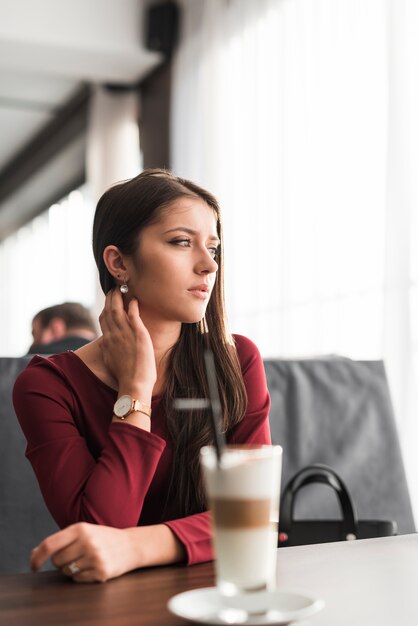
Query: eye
<point>184,243</point>
<point>215,251</point>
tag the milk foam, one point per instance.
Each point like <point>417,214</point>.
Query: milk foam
<point>242,475</point>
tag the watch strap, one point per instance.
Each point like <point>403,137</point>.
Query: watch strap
<point>139,406</point>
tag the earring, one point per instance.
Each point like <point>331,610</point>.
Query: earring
<point>124,288</point>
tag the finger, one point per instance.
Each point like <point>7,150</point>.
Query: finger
<point>133,312</point>
<point>135,320</point>
<point>52,544</point>
<point>71,553</point>
<point>88,576</point>
<point>113,314</point>
<point>81,564</point>
<point>108,300</point>
<point>105,314</point>
<point>108,303</point>
<point>116,309</point>
<point>104,326</point>
<point>117,301</point>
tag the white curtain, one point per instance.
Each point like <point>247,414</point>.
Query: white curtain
<point>302,117</point>
<point>46,262</point>
<point>400,338</point>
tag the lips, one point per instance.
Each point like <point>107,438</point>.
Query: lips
<point>201,291</point>
<point>201,287</point>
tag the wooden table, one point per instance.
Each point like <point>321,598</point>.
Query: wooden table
<point>365,583</point>
<point>136,599</point>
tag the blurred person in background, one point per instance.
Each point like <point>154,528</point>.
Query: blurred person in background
<point>61,327</point>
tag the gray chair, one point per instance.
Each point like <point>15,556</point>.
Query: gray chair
<point>338,412</point>
<point>24,518</point>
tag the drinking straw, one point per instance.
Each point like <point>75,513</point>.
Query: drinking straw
<point>188,404</point>
<point>215,404</point>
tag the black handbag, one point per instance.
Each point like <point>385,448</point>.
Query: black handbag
<point>300,532</point>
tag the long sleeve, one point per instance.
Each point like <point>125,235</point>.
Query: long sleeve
<point>108,487</point>
<point>90,469</point>
<point>195,531</point>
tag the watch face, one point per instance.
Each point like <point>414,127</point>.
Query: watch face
<point>123,406</point>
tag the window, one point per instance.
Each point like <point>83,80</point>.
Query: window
<point>46,262</point>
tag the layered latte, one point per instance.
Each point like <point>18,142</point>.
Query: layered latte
<point>244,495</point>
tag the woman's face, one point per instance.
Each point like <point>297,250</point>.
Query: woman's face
<point>174,270</point>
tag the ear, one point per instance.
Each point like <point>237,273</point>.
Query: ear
<point>56,329</point>
<point>115,263</point>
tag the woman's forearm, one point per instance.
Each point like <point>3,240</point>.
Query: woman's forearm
<point>155,545</point>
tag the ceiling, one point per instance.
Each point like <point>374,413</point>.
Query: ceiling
<point>27,102</point>
<point>45,59</point>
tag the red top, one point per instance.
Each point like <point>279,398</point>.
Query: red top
<point>95,470</point>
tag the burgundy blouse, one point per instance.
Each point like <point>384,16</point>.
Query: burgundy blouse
<point>92,469</point>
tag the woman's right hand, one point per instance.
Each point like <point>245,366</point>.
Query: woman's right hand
<point>86,552</point>
<point>127,348</point>
<point>92,553</point>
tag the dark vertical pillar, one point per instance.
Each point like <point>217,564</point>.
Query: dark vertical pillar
<point>154,122</point>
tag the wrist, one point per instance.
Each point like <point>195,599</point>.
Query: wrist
<point>133,411</point>
<point>142,392</point>
<point>155,545</point>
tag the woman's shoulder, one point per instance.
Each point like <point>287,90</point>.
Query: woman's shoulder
<point>247,351</point>
<point>60,363</point>
<point>44,379</point>
<point>47,372</point>
<point>65,371</point>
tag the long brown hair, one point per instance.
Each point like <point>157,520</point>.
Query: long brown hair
<point>121,213</point>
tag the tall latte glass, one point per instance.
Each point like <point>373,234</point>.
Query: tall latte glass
<point>244,496</point>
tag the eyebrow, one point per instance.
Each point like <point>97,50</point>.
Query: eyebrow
<point>190,231</point>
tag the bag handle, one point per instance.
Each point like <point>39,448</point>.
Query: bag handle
<point>318,473</point>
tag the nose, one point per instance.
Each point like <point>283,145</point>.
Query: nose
<point>206,264</point>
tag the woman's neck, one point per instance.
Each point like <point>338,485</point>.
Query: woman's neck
<point>164,335</point>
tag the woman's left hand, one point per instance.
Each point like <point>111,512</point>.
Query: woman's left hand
<point>127,348</point>
<point>87,552</point>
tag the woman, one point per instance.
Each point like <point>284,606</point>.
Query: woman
<point>118,466</point>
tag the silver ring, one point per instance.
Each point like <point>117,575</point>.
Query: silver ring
<point>74,569</point>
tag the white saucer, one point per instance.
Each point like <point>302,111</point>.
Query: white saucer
<point>206,606</point>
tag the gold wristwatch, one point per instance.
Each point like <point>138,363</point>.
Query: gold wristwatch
<point>125,405</point>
